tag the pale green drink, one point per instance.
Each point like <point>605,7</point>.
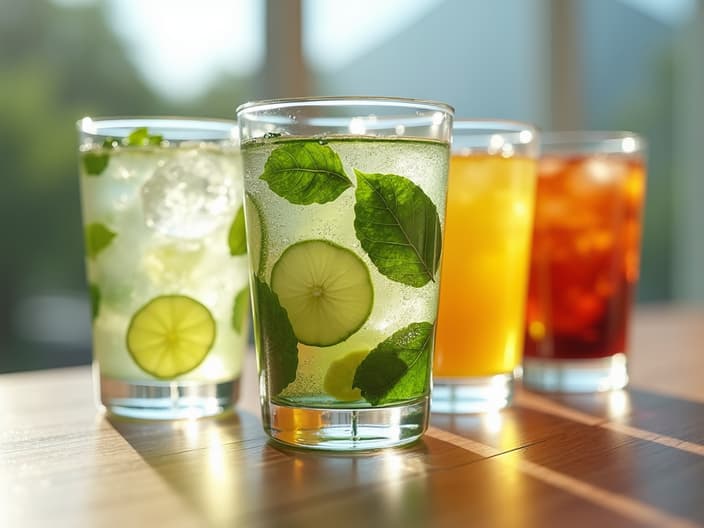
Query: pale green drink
<point>345,233</point>
<point>166,264</point>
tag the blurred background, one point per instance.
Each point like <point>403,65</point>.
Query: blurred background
<point>561,64</point>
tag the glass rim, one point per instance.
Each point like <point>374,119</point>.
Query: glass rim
<point>492,126</point>
<point>504,137</point>
<point>483,130</point>
<point>174,122</point>
<point>587,140</point>
<point>348,100</point>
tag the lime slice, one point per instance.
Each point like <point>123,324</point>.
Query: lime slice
<point>256,234</point>
<point>325,289</point>
<point>340,374</point>
<point>170,335</point>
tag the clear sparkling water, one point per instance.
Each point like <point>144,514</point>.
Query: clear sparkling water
<point>396,305</point>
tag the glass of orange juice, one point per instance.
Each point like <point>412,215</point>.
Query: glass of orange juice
<point>491,191</point>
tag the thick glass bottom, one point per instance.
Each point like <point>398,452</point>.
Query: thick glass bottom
<point>472,395</point>
<point>576,375</point>
<point>346,429</point>
<point>163,400</point>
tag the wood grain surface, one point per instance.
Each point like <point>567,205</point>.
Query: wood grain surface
<point>626,458</point>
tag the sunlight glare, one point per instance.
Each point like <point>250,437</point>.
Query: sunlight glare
<point>181,47</point>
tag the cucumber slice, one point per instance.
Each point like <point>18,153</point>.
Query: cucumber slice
<point>326,291</point>
<point>340,374</point>
<point>170,335</point>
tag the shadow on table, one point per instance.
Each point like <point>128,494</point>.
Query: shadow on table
<point>206,461</point>
<point>231,474</point>
<point>384,487</point>
<point>632,407</point>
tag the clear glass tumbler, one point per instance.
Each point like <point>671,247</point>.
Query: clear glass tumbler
<point>490,200</point>
<point>584,264</point>
<point>345,203</point>
<point>166,263</point>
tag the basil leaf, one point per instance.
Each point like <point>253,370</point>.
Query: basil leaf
<point>97,238</point>
<point>240,310</point>
<point>277,347</point>
<point>305,172</point>
<point>140,137</point>
<point>236,238</point>
<point>398,226</point>
<point>398,368</point>
<point>94,292</point>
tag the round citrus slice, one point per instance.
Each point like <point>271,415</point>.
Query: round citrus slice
<point>325,289</point>
<point>340,374</point>
<point>256,234</point>
<point>170,335</point>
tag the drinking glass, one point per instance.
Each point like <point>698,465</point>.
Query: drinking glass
<point>485,265</point>
<point>165,262</point>
<point>345,199</point>
<point>584,264</point>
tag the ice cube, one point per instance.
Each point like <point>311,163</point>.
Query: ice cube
<point>172,264</point>
<point>188,196</point>
<point>550,166</point>
<point>598,172</point>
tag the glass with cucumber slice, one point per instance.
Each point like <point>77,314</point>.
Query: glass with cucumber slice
<point>344,207</point>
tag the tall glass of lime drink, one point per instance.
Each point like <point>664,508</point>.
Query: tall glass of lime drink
<point>166,263</point>
<point>345,204</point>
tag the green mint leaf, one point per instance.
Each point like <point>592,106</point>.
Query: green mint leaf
<point>94,163</point>
<point>97,238</point>
<point>94,292</point>
<point>277,346</point>
<point>258,236</point>
<point>305,172</point>
<point>140,137</point>
<point>398,368</point>
<point>398,226</point>
<point>236,238</point>
<point>240,310</point>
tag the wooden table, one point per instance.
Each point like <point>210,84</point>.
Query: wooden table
<point>628,458</point>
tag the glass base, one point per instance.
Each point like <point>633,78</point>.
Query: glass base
<point>575,375</point>
<point>346,429</point>
<point>472,395</point>
<point>159,400</point>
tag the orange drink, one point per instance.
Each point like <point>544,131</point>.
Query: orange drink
<point>485,265</point>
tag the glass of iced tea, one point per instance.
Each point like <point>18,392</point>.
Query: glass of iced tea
<point>584,263</point>
<point>491,186</point>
